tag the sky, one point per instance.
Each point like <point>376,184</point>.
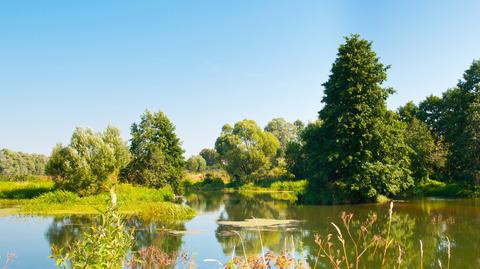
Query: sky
<point>204,63</point>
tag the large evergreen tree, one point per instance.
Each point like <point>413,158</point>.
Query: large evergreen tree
<point>157,155</point>
<point>359,150</point>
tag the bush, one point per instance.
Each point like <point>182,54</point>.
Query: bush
<point>128,193</point>
<point>90,163</point>
<point>298,186</point>
<point>58,197</point>
<point>433,188</point>
<point>103,246</point>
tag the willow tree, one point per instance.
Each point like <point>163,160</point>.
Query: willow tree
<point>359,151</point>
<point>90,163</point>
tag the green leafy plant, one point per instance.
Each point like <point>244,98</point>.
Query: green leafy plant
<point>104,245</point>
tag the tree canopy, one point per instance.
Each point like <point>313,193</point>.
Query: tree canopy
<point>360,148</point>
<point>90,163</point>
<point>17,164</point>
<point>157,155</point>
<point>246,151</point>
<point>284,131</point>
<point>210,156</point>
<point>196,163</point>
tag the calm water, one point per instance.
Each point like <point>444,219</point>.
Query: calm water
<point>427,220</point>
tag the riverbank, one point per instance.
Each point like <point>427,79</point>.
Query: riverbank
<point>297,190</point>
<point>42,198</point>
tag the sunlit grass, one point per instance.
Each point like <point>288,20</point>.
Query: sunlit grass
<point>41,198</point>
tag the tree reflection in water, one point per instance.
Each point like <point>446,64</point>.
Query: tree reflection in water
<point>429,221</point>
<point>426,220</point>
<point>65,230</point>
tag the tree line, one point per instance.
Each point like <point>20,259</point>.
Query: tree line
<point>18,164</point>
<point>92,162</point>
<point>357,149</point>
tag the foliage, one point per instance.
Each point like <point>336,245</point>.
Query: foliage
<point>426,156</point>
<point>295,153</point>
<point>157,156</point>
<point>196,163</point>
<point>210,156</point>
<point>58,197</point>
<point>284,131</point>
<point>359,150</point>
<point>210,181</point>
<point>104,245</point>
<point>90,163</point>
<point>19,164</point>
<point>297,186</point>
<point>246,151</point>
<point>455,118</point>
<point>434,188</point>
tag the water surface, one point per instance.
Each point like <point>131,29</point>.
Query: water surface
<point>429,220</point>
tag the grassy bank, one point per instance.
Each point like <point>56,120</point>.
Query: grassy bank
<point>41,198</point>
<point>220,181</point>
<point>433,188</point>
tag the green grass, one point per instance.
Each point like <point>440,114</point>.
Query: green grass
<point>24,189</point>
<point>279,190</point>
<point>297,186</point>
<point>433,188</point>
<point>41,198</point>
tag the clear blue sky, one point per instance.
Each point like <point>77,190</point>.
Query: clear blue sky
<point>206,63</point>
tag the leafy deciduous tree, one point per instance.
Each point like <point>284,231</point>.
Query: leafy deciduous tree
<point>196,163</point>
<point>17,164</point>
<point>284,131</point>
<point>210,156</point>
<point>246,150</point>
<point>90,163</point>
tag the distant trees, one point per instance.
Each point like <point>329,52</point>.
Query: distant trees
<point>453,120</point>
<point>210,156</point>
<point>157,155</point>
<point>284,131</point>
<point>428,153</point>
<point>90,163</point>
<point>196,163</point>
<point>296,151</point>
<point>17,164</point>
<point>246,151</point>
<point>359,150</point>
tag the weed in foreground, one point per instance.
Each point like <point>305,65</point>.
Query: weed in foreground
<point>350,250</point>
<point>8,259</point>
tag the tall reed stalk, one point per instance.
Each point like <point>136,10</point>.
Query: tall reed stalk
<point>387,240</point>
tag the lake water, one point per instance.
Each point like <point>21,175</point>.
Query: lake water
<point>30,238</point>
